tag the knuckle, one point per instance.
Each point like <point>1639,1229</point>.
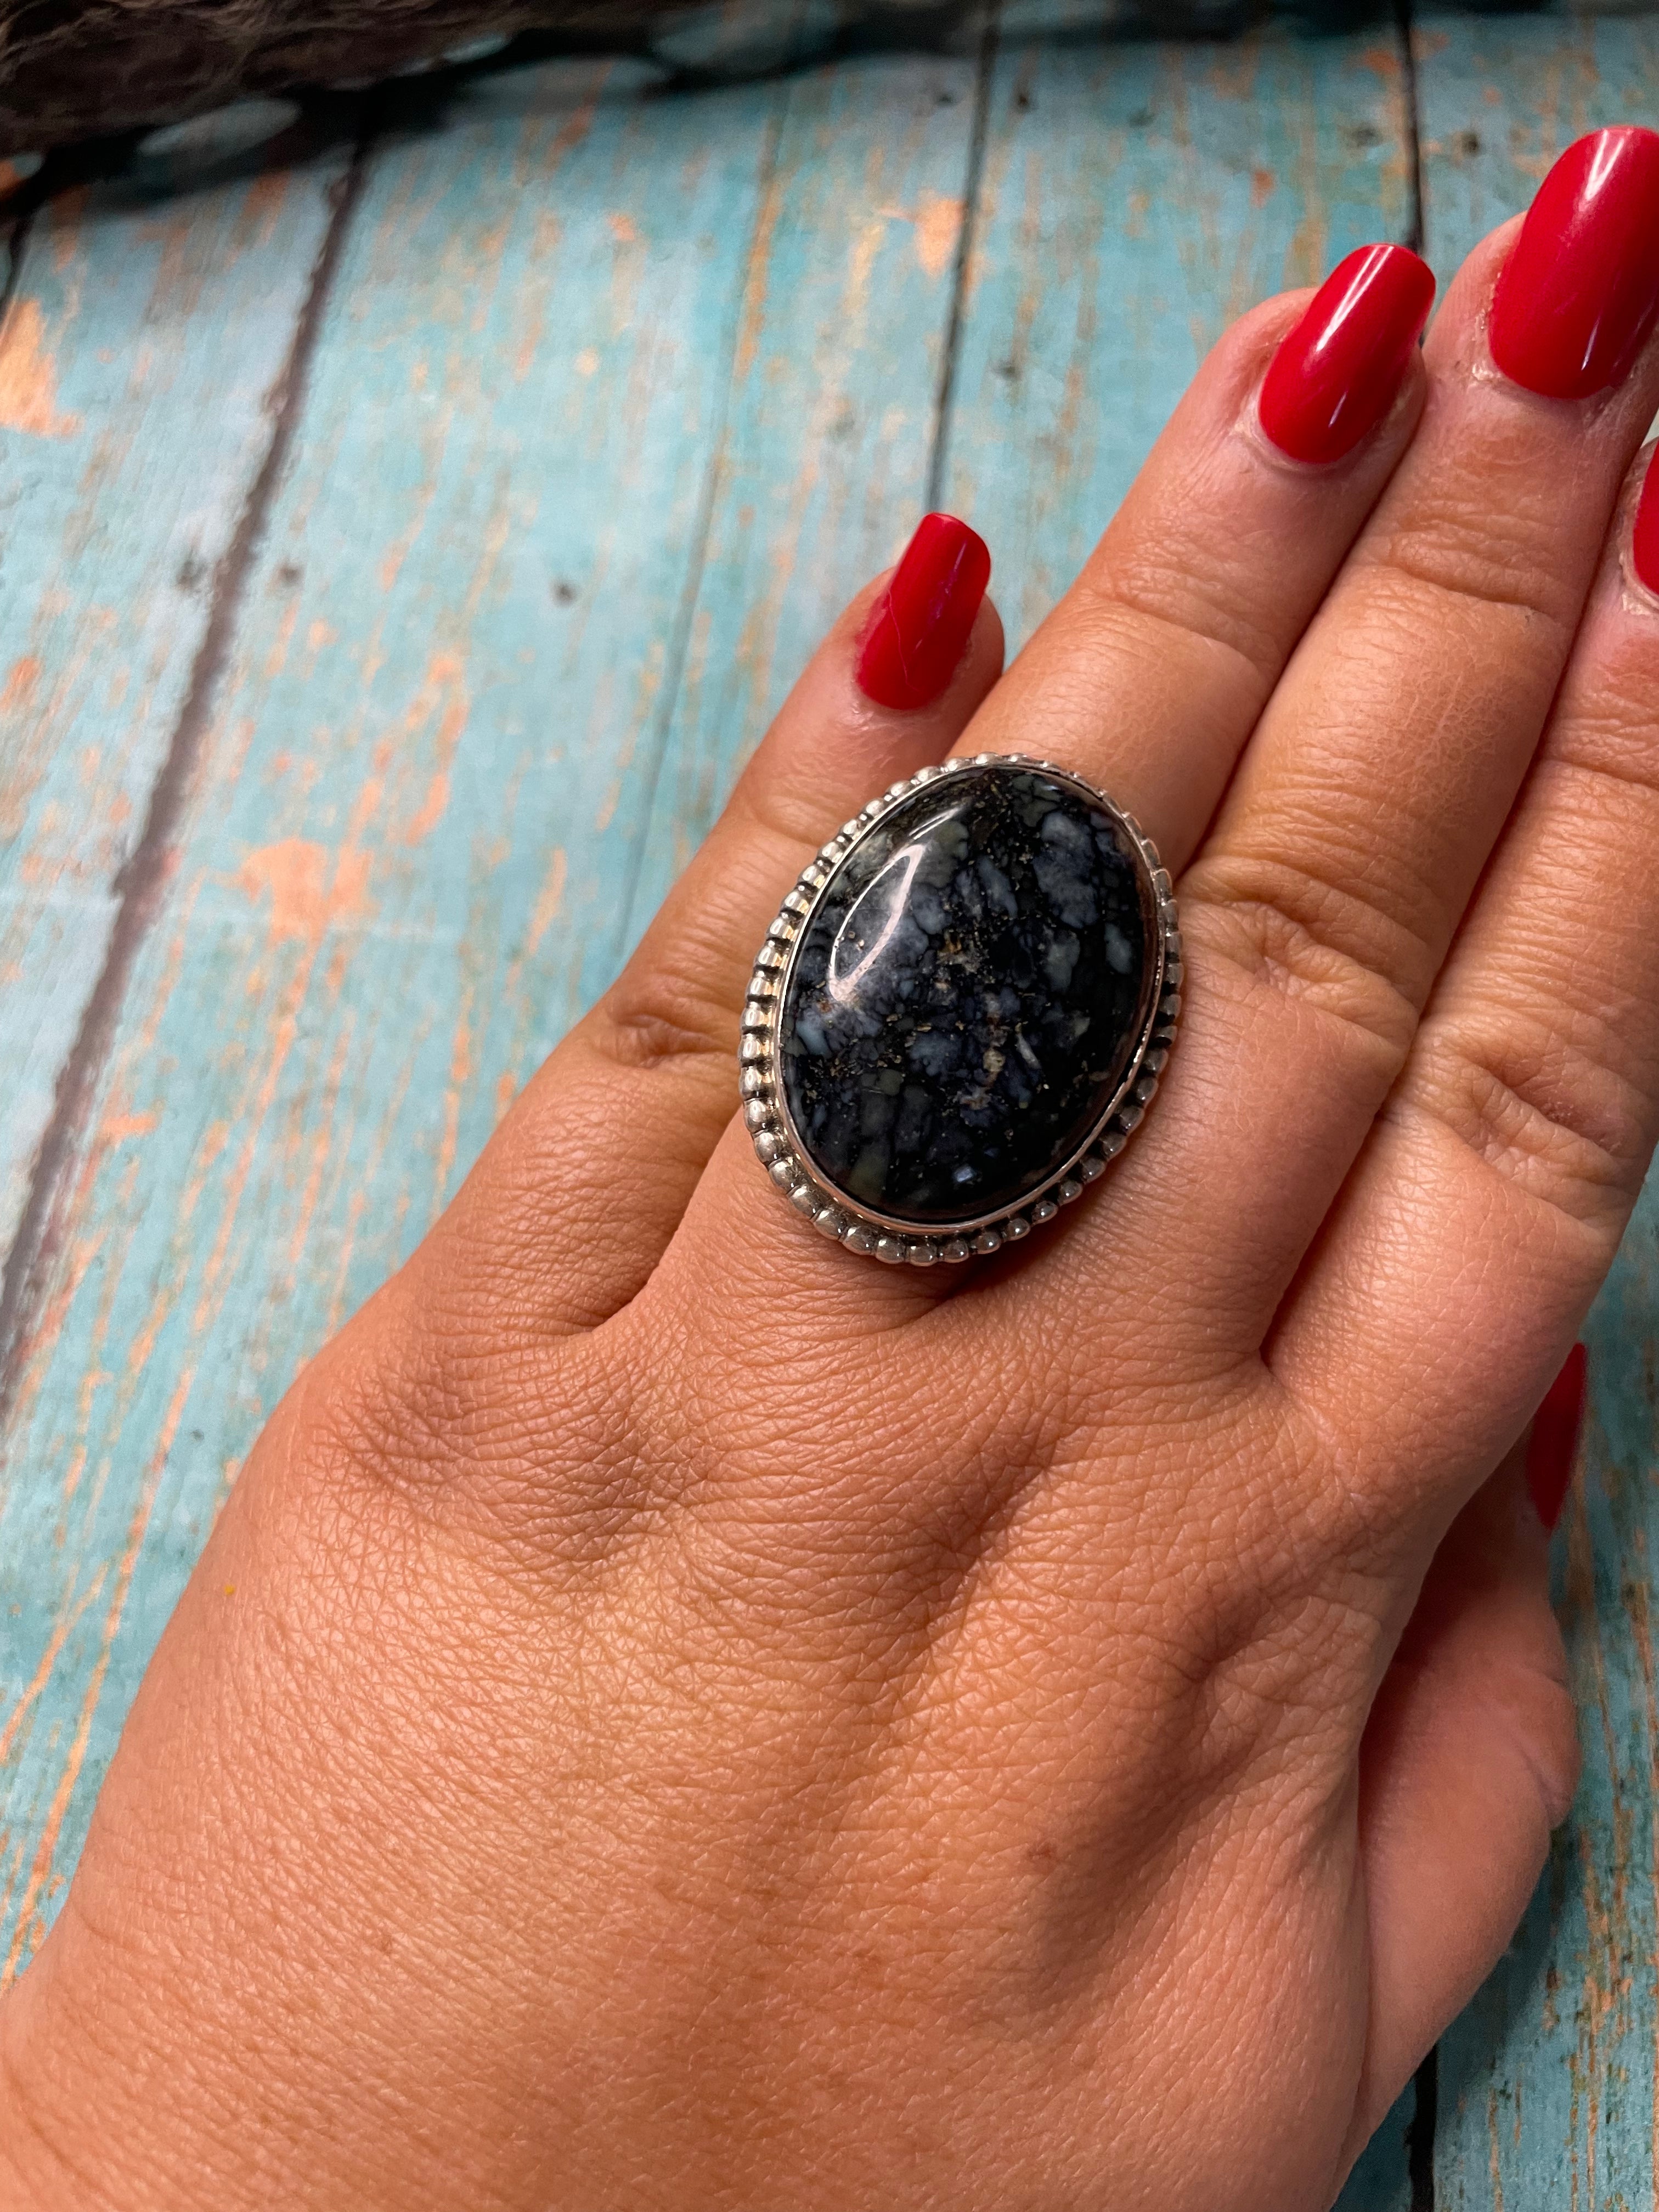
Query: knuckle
<point>395,1413</point>
<point>1539,1105</point>
<point>1345,962</point>
<point>1157,598</point>
<point>1603,770</point>
<point>660,1010</point>
<point>1284,1693</point>
<point>1496,560</point>
<point>527,1456</point>
<point>782,813</point>
<point>1272,1652</point>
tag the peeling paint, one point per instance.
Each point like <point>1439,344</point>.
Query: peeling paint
<point>28,376</point>
<point>306,895</point>
<point>938,227</point>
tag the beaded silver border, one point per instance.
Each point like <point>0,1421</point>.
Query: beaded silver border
<point>767,1116</point>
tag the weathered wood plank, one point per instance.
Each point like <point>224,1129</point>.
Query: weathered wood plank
<point>1548,2082</point>
<point>1136,198</point>
<point>823,470</point>
<point>137,357</point>
<point>419,802</point>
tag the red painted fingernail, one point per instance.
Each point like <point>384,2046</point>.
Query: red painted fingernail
<point>915,639</point>
<point>1335,375</point>
<point>1579,295</point>
<point>1644,532</point>
<point>1554,1444</point>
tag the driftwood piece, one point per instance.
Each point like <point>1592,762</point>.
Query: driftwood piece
<point>73,70</point>
<point>76,68</point>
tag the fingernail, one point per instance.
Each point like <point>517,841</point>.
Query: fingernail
<point>1644,532</point>
<point>915,639</point>
<point>1578,294</point>
<point>1554,1444</point>
<point>1336,375</point>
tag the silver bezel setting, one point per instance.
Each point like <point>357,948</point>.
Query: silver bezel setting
<point>766,1112</point>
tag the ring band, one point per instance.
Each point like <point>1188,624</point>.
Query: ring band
<point>962,1011</point>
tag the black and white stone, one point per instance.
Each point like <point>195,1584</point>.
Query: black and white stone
<point>967,995</point>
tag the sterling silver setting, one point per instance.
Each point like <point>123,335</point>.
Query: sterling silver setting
<point>766,1112</point>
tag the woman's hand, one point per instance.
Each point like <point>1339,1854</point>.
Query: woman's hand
<point>676,1715</point>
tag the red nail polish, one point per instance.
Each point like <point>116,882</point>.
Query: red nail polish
<point>1554,1444</point>
<point>915,639</point>
<point>1578,294</point>
<point>1644,532</point>
<point>1336,373</point>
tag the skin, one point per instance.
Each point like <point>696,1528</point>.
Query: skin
<point>673,1715</point>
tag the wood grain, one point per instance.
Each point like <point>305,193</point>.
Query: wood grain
<point>398,838</point>
<point>822,469</point>
<point>1548,2082</point>
<point>139,352</point>
<point>1136,198</point>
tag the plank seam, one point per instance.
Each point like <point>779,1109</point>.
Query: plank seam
<point>973,182</point>
<point>679,641</point>
<point>1403,29</point>
<point>1421,2132</point>
<point>140,883</point>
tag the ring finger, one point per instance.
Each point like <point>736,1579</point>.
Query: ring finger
<point>1152,672</point>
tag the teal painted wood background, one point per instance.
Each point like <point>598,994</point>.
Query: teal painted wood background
<point>403,538</point>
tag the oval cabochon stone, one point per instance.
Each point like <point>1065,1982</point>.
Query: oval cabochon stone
<point>967,994</point>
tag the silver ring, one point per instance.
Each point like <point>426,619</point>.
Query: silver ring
<point>876,1084</point>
